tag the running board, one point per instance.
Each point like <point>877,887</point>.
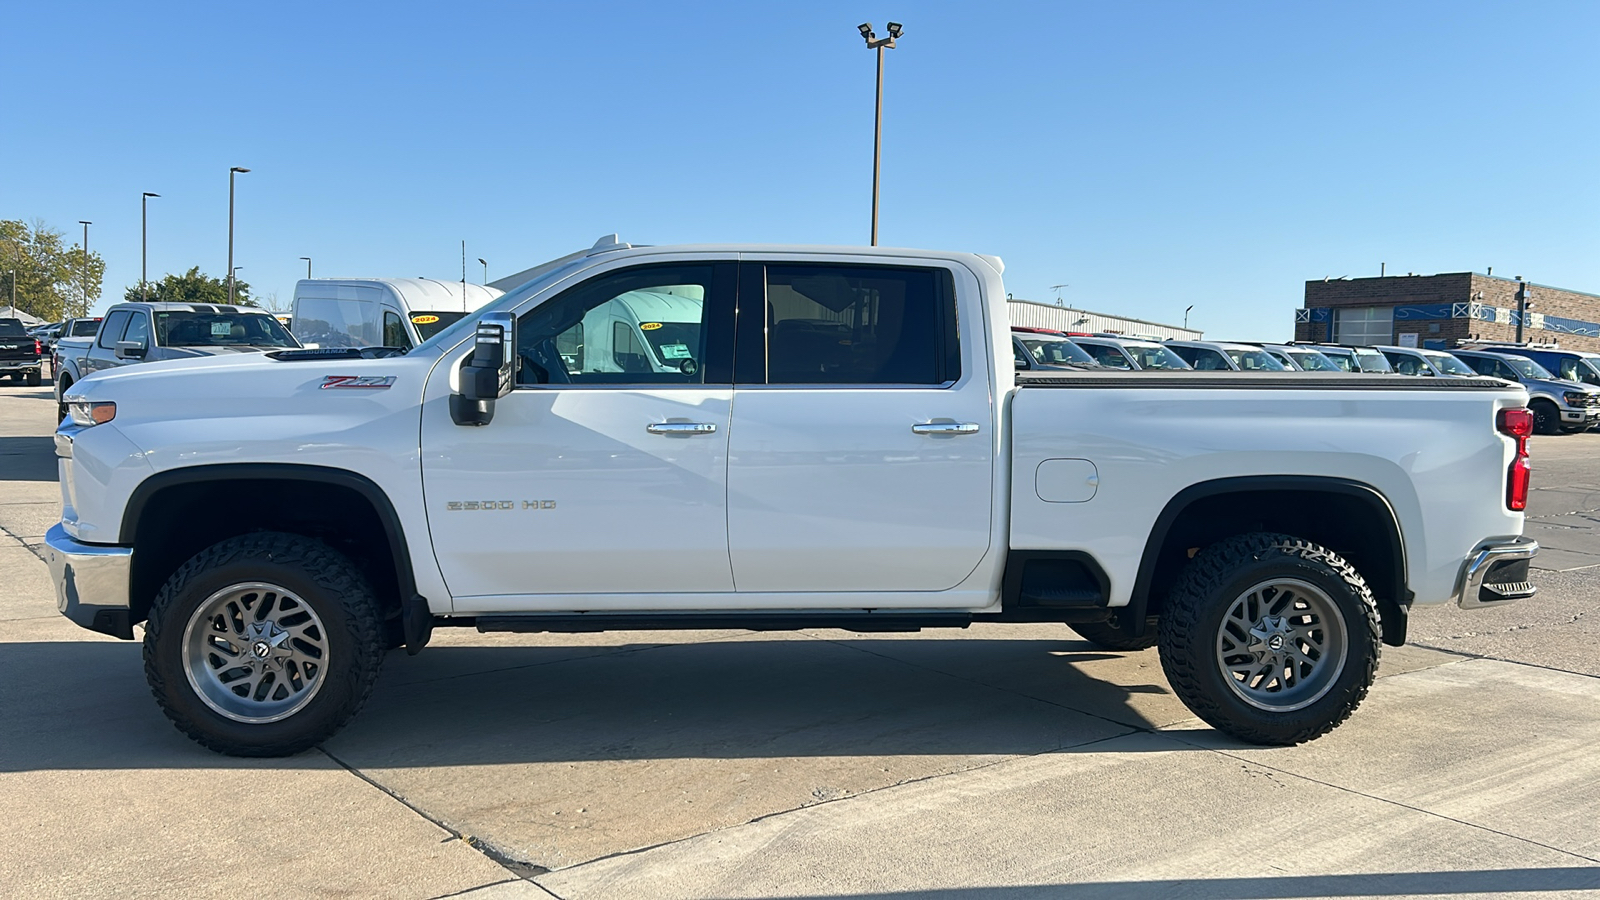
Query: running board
<point>570,623</point>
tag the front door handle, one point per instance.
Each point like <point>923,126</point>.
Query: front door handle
<point>945,428</point>
<point>681,428</point>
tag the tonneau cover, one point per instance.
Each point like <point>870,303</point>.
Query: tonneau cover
<point>1265,381</point>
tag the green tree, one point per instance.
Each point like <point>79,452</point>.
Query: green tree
<point>192,286</point>
<point>50,278</point>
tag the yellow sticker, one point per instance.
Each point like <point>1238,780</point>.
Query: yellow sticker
<point>424,320</point>
<point>650,326</point>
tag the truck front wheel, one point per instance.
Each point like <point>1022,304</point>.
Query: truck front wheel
<point>1270,639</point>
<point>263,645</point>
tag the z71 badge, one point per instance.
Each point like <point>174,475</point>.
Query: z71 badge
<point>357,382</point>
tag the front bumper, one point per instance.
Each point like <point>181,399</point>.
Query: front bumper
<point>1590,415</point>
<point>1496,574</point>
<point>91,582</point>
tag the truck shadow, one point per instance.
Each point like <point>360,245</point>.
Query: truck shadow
<point>27,459</point>
<point>85,705</point>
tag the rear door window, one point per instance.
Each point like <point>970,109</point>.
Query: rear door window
<point>843,324</point>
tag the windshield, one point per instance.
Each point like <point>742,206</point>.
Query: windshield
<point>1449,364</point>
<point>1056,352</point>
<point>1155,356</point>
<point>1372,361</point>
<point>1312,361</point>
<point>1527,368</point>
<point>432,322</point>
<point>1106,355</point>
<point>1255,361</point>
<point>85,327</point>
<point>197,329</point>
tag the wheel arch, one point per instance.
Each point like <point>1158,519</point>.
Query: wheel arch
<point>173,514</point>
<point>1352,518</point>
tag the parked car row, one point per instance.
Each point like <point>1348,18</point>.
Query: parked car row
<point>1566,403</point>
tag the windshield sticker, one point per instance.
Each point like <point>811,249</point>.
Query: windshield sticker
<point>357,382</point>
<point>675,351</point>
<point>649,326</point>
<point>424,320</point>
<point>221,329</point>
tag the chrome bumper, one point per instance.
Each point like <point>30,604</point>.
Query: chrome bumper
<point>91,582</point>
<point>1496,574</point>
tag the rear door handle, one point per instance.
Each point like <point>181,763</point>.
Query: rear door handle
<point>945,428</point>
<point>681,428</point>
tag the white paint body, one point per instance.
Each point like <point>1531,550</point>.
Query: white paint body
<point>803,497</point>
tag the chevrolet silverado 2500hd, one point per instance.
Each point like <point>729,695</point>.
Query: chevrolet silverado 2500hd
<point>833,438</point>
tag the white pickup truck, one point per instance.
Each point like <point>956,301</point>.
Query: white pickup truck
<point>841,441</point>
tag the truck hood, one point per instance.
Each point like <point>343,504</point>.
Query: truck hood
<point>238,378</point>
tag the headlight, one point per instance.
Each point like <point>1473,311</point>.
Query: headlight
<point>1576,398</point>
<point>91,412</point>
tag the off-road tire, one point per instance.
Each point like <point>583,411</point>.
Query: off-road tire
<point>1113,637</point>
<point>1211,584</point>
<point>1546,417</point>
<point>61,405</point>
<point>326,581</point>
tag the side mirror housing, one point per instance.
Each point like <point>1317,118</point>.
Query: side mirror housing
<point>130,350</point>
<point>486,375</point>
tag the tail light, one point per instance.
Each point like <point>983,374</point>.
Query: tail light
<point>38,348</point>
<point>1517,424</point>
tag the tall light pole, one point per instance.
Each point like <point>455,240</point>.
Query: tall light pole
<point>231,172</point>
<point>879,44</point>
<point>144,244</point>
<point>308,265</point>
<point>1186,315</point>
<point>485,265</point>
<point>85,309</point>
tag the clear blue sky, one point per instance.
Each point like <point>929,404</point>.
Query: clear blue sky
<point>1151,155</point>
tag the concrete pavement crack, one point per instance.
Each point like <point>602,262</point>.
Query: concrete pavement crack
<point>1515,662</point>
<point>1427,812</point>
<point>521,868</point>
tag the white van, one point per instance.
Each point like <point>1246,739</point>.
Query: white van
<point>639,331</point>
<point>380,312</point>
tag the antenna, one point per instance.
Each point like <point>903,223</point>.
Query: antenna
<point>463,276</point>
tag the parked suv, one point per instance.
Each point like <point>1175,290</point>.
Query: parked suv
<point>1123,353</point>
<point>1353,359</point>
<point>1303,359</point>
<point>1568,365</point>
<point>1037,348</point>
<point>1427,363</point>
<point>1215,357</point>
<point>1557,405</point>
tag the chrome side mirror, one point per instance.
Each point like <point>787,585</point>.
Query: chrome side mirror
<point>488,374</point>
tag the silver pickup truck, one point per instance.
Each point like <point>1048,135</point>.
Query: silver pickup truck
<point>148,332</point>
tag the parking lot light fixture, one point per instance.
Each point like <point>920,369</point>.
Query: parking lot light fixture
<point>85,310</point>
<point>307,260</point>
<point>879,44</point>
<point>231,173</point>
<point>485,264</point>
<point>144,244</point>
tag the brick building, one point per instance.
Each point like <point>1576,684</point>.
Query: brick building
<point>1442,310</point>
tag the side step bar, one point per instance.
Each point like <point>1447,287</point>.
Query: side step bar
<point>571,623</point>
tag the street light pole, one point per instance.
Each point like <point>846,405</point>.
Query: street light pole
<point>1186,315</point>
<point>308,265</point>
<point>144,244</point>
<point>231,172</point>
<point>85,310</point>
<point>485,269</point>
<point>879,44</point>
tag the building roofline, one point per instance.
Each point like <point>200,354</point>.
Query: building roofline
<point>1079,309</point>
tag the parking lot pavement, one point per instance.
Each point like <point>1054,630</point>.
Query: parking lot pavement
<point>996,762</point>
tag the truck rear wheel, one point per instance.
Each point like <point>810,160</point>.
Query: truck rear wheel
<point>1114,637</point>
<point>1270,639</point>
<point>263,645</point>
<point>34,378</point>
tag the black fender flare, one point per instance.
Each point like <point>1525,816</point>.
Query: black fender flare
<point>1139,602</point>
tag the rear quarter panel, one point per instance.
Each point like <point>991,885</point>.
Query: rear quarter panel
<point>1435,455</point>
